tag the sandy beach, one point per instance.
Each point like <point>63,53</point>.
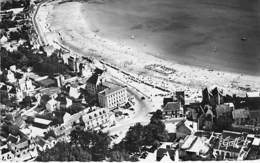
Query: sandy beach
<point>68,24</point>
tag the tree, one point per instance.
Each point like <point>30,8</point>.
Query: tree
<point>134,138</point>
<point>65,152</point>
<point>96,142</point>
<point>139,135</point>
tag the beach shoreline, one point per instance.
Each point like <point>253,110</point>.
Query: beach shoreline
<point>64,23</point>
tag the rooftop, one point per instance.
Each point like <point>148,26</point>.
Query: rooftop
<point>93,79</point>
<point>172,106</point>
<point>230,141</point>
<point>42,121</point>
<point>50,91</point>
<point>110,88</point>
<point>47,82</point>
<point>253,94</point>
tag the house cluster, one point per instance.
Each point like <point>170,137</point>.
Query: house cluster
<point>227,145</point>
<point>220,127</point>
<point>15,24</point>
<point>39,109</point>
<point>15,145</point>
<point>216,111</point>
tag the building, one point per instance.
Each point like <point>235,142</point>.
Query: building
<point>93,85</point>
<point>98,118</point>
<point>195,145</point>
<point>94,118</point>
<point>224,111</point>
<point>173,109</point>
<point>213,97</point>
<point>253,100</point>
<point>10,77</point>
<point>23,150</point>
<point>112,96</point>
<point>166,152</point>
<point>73,63</point>
<point>182,130</point>
<point>52,105</point>
<point>205,120</point>
<point>231,145</point>
<point>180,96</point>
<point>59,80</point>
<point>39,122</point>
<point>240,116</point>
<point>6,155</point>
<point>74,91</point>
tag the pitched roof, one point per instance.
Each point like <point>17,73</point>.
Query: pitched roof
<point>93,79</point>
<point>3,88</point>
<point>42,121</point>
<point>12,90</point>
<point>19,121</point>
<point>41,142</point>
<point>189,141</point>
<point>253,94</point>
<point>12,138</point>
<point>256,142</point>
<point>182,124</point>
<point>22,144</point>
<point>172,106</point>
<point>111,89</point>
<point>199,146</point>
<point>166,100</point>
<point>160,153</point>
<point>47,82</point>
<point>98,71</point>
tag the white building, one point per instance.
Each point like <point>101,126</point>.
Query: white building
<point>113,96</point>
<point>74,92</point>
<point>94,118</point>
<point>52,105</point>
<point>98,118</point>
<point>10,77</point>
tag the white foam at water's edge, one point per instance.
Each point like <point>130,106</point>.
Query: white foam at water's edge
<point>77,27</point>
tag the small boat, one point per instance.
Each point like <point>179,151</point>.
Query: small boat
<point>243,38</point>
<point>132,37</point>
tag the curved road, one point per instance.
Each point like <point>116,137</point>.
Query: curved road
<point>142,107</point>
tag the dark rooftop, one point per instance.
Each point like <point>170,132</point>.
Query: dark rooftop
<point>47,82</point>
<point>98,71</point>
<point>93,79</point>
<point>172,106</point>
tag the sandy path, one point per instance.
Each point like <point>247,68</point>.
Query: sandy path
<point>67,20</point>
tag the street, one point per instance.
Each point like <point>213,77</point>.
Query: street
<point>142,108</point>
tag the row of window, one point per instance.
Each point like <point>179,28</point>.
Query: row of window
<point>100,115</point>
<point>115,102</point>
<point>92,125</point>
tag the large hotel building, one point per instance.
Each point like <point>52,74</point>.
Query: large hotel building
<point>113,96</point>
